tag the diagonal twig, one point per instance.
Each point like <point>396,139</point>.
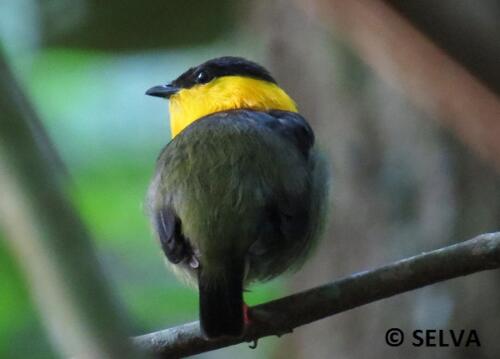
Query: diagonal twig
<point>405,57</point>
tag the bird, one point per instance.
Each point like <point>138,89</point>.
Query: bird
<point>240,193</point>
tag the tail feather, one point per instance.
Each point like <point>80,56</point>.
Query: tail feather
<point>221,301</point>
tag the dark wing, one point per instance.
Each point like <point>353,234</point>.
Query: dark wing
<point>285,220</point>
<point>174,244</point>
<point>294,127</point>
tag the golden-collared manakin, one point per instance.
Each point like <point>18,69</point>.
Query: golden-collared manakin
<point>240,191</point>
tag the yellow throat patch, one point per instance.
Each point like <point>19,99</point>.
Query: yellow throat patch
<point>224,94</point>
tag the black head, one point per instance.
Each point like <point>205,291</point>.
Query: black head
<point>212,69</point>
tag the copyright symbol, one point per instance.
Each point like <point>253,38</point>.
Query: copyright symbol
<point>394,337</point>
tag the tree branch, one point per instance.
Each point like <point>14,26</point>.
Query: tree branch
<point>283,315</point>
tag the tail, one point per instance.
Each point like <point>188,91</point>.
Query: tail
<point>221,300</point>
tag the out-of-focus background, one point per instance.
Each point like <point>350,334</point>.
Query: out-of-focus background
<point>403,183</point>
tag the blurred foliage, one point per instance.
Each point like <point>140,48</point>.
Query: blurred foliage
<point>134,25</point>
<point>21,333</point>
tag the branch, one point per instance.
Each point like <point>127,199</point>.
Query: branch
<point>281,316</point>
<point>402,55</point>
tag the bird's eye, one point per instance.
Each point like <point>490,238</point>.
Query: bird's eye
<point>202,77</point>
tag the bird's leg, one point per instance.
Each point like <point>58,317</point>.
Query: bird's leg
<point>246,314</point>
<point>248,321</point>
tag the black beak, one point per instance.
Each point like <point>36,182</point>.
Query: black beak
<point>164,91</point>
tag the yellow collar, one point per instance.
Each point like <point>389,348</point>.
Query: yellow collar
<point>224,94</point>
